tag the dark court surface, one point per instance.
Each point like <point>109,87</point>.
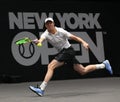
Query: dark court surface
<point>77,90</point>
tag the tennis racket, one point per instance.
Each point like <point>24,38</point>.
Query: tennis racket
<point>27,40</point>
<point>23,41</point>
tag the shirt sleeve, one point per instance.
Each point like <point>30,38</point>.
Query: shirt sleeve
<point>43,35</point>
<point>66,33</point>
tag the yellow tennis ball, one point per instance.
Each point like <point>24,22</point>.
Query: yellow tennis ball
<point>39,44</point>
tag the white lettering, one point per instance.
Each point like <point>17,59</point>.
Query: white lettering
<point>29,20</point>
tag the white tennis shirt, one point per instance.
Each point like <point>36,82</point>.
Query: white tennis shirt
<point>59,40</point>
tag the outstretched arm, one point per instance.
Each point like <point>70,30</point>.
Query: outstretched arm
<point>39,41</point>
<point>80,40</point>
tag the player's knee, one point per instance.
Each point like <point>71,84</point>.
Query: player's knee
<point>51,67</point>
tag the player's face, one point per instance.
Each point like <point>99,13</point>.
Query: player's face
<point>49,25</point>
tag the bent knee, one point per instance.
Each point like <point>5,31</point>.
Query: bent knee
<point>51,66</point>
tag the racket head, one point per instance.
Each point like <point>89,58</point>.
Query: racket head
<point>23,41</point>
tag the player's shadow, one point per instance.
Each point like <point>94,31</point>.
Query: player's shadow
<point>73,94</point>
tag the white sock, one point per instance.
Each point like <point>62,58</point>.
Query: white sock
<point>100,66</point>
<point>43,85</point>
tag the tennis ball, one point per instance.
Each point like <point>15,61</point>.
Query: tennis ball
<point>39,44</point>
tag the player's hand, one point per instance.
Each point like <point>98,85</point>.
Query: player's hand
<point>36,41</point>
<point>86,45</point>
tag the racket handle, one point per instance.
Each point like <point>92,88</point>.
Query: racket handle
<point>35,41</point>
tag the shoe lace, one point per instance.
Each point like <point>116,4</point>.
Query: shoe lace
<point>38,86</point>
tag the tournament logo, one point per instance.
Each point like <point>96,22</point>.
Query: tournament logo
<point>25,24</point>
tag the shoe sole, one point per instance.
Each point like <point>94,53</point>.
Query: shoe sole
<point>35,92</point>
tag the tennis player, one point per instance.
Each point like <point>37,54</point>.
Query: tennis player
<point>59,38</point>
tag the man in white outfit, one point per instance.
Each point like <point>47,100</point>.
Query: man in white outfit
<point>58,37</point>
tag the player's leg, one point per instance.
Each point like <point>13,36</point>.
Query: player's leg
<point>53,64</point>
<point>39,90</point>
<point>84,70</point>
<point>89,68</point>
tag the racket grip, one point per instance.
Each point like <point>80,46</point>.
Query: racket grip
<point>35,41</point>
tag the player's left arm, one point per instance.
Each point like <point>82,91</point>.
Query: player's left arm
<point>80,40</point>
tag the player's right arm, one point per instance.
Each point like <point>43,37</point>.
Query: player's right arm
<point>38,42</point>
<point>41,40</point>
